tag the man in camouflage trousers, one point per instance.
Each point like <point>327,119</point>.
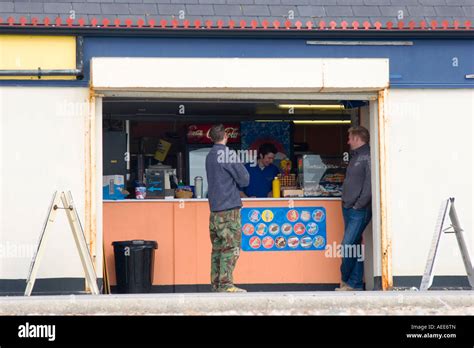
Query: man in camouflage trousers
<point>224,178</point>
<point>226,238</point>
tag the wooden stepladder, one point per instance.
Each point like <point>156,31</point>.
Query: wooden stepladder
<point>447,207</point>
<point>79,238</point>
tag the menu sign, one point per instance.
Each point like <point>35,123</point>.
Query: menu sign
<point>199,133</point>
<point>283,229</point>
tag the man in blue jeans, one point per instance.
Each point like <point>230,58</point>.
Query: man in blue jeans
<point>356,209</point>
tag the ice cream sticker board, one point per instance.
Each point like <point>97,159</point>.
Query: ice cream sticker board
<point>283,229</point>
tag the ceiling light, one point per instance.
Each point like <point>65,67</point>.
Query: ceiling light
<point>322,122</point>
<point>312,106</point>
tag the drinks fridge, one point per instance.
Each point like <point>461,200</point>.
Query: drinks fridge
<point>198,145</point>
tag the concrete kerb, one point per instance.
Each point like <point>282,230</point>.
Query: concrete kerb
<point>295,303</point>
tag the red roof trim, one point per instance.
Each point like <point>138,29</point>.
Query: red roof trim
<point>231,24</point>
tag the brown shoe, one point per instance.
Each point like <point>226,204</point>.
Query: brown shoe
<point>342,287</point>
<point>345,287</point>
<point>232,288</point>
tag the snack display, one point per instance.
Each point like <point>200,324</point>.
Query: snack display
<point>183,192</point>
<point>334,178</point>
<point>283,229</point>
<point>321,175</point>
<point>333,190</point>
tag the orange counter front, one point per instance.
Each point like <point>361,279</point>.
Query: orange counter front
<point>181,229</point>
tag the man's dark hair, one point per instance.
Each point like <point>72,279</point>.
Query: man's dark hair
<point>217,132</point>
<point>266,148</point>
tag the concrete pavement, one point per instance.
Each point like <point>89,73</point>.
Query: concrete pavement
<point>253,303</point>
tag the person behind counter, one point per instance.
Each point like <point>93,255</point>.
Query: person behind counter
<point>356,209</point>
<point>225,203</point>
<point>261,175</point>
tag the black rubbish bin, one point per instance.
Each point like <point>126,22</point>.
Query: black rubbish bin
<point>134,265</point>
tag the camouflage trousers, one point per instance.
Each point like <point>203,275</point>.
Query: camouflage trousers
<point>225,230</point>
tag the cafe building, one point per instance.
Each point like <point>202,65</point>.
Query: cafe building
<point>114,102</point>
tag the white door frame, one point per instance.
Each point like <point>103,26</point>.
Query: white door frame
<point>334,89</point>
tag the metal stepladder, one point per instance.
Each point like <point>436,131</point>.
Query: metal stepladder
<point>447,206</point>
<point>79,238</point>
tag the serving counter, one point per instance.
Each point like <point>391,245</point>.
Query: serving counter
<point>182,260</point>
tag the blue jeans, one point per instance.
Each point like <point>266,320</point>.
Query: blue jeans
<point>352,267</point>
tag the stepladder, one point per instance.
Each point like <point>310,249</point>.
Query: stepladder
<point>447,209</point>
<point>63,201</point>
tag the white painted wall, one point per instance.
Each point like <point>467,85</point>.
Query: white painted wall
<point>240,74</point>
<point>430,158</point>
<point>41,150</point>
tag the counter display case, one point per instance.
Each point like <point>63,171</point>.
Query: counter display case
<point>321,176</point>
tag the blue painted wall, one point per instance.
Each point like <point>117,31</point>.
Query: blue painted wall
<point>426,64</point>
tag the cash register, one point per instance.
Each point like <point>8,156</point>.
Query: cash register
<point>160,181</point>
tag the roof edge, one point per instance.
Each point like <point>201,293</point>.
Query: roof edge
<point>174,27</point>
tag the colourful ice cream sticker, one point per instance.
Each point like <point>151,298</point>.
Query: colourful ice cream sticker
<point>248,229</point>
<point>254,216</point>
<point>267,215</point>
<point>261,229</point>
<point>318,215</point>
<point>312,228</point>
